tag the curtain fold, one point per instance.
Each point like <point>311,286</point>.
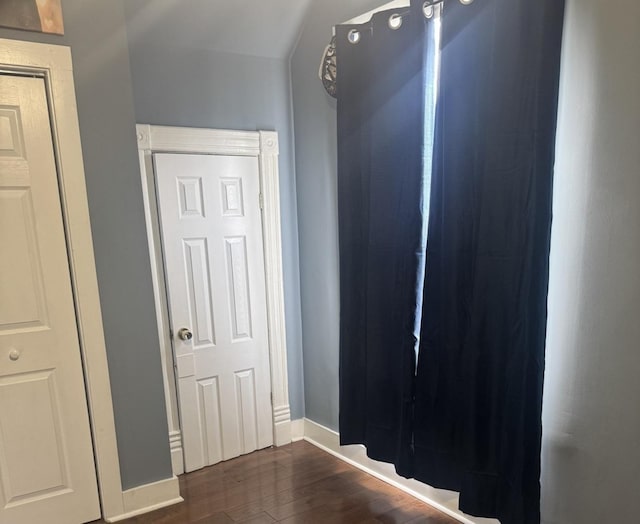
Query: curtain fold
<point>381,137</point>
<point>481,363</point>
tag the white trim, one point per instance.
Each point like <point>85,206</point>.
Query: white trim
<point>445,501</point>
<point>149,497</point>
<point>198,140</point>
<point>53,63</point>
<point>271,231</point>
<point>177,453</point>
<point>264,146</point>
<point>297,430</point>
<point>162,312</point>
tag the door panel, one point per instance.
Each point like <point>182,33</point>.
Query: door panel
<point>47,471</point>
<point>239,302</point>
<point>196,256</point>
<point>23,305</point>
<point>37,436</point>
<point>212,245</point>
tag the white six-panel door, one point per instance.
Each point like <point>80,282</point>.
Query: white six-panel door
<point>47,471</point>
<point>214,262</point>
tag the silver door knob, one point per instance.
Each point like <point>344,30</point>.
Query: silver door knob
<point>14,354</point>
<point>185,334</point>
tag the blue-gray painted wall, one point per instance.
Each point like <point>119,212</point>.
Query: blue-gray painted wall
<point>591,420</point>
<point>95,31</point>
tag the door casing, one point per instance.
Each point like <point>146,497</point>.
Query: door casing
<point>53,64</point>
<point>263,145</point>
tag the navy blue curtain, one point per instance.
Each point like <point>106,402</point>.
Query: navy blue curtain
<point>381,138</point>
<point>469,419</point>
<point>479,388</point>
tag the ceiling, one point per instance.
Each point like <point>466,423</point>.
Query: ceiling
<point>248,27</point>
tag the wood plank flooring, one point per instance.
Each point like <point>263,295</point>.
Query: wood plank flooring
<point>298,483</point>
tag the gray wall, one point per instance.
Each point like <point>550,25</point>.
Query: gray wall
<point>183,86</point>
<point>96,33</point>
<point>591,462</point>
<point>315,142</point>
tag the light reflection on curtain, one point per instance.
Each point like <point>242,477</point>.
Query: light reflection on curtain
<point>382,154</point>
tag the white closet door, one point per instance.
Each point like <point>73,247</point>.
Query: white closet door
<point>47,471</point>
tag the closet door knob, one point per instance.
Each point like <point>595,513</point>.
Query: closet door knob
<point>14,354</point>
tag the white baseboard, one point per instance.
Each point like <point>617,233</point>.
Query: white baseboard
<point>297,430</point>
<point>445,501</point>
<point>150,497</point>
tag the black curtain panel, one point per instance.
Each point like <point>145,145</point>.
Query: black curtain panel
<point>381,141</point>
<point>481,362</point>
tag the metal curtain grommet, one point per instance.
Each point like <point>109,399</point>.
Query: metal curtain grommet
<point>353,36</point>
<point>395,21</point>
<point>428,9</point>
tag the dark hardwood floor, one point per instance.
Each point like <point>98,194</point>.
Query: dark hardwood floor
<point>298,483</point>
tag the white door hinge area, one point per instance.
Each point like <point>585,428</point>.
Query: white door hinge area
<point>261,200</point>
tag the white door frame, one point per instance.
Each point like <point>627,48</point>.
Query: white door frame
<point>52,63</point>
<point>264,146</point>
